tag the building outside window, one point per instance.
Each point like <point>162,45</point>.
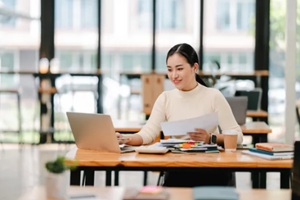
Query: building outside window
<point>235,15</point>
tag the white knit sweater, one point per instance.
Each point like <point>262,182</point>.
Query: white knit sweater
<point>176,105</point>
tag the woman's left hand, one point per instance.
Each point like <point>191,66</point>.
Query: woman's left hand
<point>200,135</point>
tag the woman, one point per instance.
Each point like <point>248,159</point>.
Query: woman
<point>191,98</point>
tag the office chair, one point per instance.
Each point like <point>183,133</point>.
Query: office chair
<point>239,108</point>
<point>254,97</point>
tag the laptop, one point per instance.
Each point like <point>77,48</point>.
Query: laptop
<point>239,108</point>
<point>95,132</point>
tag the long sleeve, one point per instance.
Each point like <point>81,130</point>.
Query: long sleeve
<point>176,105</point>
<point>152,128</point>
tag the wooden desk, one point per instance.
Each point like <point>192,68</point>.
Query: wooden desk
<point>116,193</point>
<point>257,113</point>
<point>258,130</point>
<point>90,161</point>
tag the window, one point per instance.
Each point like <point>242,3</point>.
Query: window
<point>229,61</point>
<point>245,15</point>
<point>161,65</point>
<point>89,17</point>
<point>64,13</point>
<point>76,14</point>
<point>7,62</point>
<point>77,60</point>
<point>171,14</point>
<point>144,10</point>
<point>223,14</point>
<point>235,15</point>
<point>6,20</point>
<point>136,61</point>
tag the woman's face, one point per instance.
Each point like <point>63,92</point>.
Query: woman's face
<point>181,73</point>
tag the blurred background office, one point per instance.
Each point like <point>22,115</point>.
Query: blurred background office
<point>132,36</point>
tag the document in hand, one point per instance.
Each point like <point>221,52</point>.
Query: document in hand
<point>182,127</point>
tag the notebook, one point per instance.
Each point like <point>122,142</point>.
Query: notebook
<point>239,108</point>
<point>269,157</point>
<point>95,132</point>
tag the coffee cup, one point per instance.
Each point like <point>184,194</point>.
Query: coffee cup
<point>230,140</point>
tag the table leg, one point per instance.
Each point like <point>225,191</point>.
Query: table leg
<point>255,179</point>
<point>108,177</point>
<point>262,180</point>
<point>75,177</point>
<point>255,139</point>
<point>259,138</point>
<point>89,176</point>
<point>263,138</point>
<point>116,177</point>
<point>145,177</point>
<point>285,179</point>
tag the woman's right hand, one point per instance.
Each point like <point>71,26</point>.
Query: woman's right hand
<point>122,139</point>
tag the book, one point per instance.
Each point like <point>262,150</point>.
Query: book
<point>282,153</point>
<point>215,193</point>
<point>269,157</point>
<point>207,148</point>
<point>274,147</point>
<point>146,193</point>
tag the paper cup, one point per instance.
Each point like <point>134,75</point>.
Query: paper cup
<point>230,140</point>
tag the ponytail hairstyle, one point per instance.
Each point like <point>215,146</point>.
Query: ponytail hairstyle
<point>190,55</point>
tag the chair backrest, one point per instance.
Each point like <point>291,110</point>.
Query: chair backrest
<point>254,97</point>
<point>239,108</point>
<point>153,86</point>
<point>296,172</point>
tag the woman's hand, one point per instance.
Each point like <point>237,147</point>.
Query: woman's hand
<point>200,135</point>
<point>122,139</point>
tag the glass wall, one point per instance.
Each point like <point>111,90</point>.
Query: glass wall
<point>177,21</point>
<point>19,46</point>
<point>126,48</point>
<point>76,44</point>
<point>229,38</point>
<point>127,41</point>
<point>76,34</point>
<point>277,88</point>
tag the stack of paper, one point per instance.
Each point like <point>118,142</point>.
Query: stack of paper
<point>182,127</point>
<point>178,145</point>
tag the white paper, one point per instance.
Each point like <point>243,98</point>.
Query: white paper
<point>182,127</point>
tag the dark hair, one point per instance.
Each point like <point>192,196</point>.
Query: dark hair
<point>190,55</point>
